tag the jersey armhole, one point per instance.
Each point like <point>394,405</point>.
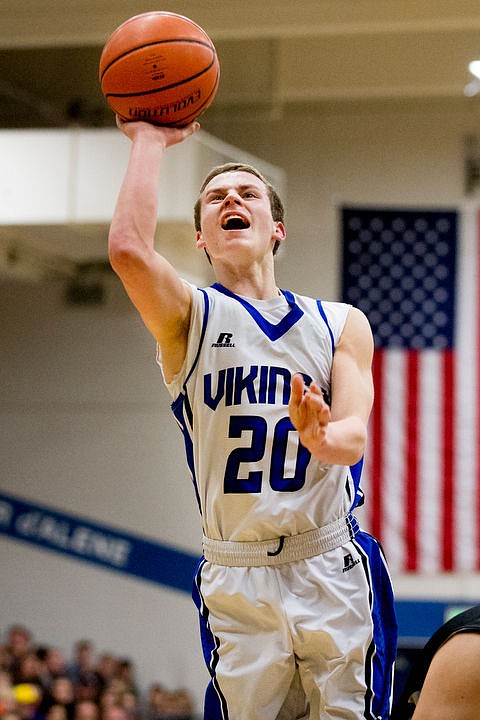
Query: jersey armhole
<point>181,378</point>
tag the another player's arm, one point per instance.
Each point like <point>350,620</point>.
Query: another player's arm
<point>337,435</point>
<point>161,297</point>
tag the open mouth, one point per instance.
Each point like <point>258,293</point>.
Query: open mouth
<point>235,222</point>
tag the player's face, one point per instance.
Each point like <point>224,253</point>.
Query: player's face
<point>235,214</point>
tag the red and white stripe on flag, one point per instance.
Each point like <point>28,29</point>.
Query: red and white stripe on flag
<point>422,468</point>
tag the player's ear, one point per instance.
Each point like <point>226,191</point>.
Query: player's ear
<point>280,232</point>
<point>199,240</point>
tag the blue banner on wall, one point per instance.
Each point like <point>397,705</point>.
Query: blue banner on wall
<point>94,543</point>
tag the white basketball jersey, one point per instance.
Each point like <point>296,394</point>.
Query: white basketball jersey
<point>254,480</point>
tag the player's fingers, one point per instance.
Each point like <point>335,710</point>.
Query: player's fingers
<point>192,127</point>
<point>175,135</point>
<point>315,389</point>
<point>296,389</point>
<point>324,415</point>
<point>315,405</point>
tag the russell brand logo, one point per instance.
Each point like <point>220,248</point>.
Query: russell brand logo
<point>224,340</point>
<point>349,563</point>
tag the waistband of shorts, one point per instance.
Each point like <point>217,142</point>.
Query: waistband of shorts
<point>284,549</point>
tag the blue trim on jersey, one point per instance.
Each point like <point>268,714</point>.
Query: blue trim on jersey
<point>379,663</point>
<point>202,334</point>
<point>180,410</point>
<point>322,313</point>
<point>356,475</point>
<point>272,331</point>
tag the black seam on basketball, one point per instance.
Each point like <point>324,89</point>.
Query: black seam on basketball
<point>156,42</point>
<point>161,89</point>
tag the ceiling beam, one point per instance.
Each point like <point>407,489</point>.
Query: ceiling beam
<point>40,24</point>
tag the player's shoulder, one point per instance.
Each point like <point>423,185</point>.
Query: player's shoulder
<point>335,312</point>
<point>468,620</point>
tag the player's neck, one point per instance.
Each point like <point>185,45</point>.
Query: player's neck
<point>249,287</point>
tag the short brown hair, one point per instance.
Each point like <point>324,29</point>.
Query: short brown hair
<point>276,204</point>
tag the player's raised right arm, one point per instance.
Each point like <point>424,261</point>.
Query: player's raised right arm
<point>159,294</point>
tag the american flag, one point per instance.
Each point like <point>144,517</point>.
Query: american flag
<point>415,275</point>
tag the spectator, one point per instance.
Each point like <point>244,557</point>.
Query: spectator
<point>164,705</point>
<point>88,687</point>
<point>106,669</point>
<point>7,695</point>
<point>44,687</point>
<point>115,695</point>
<point>157,699</point>
<point>86,710</point>
<point>27,668</point>
<point>181,705</point>
<point>114,711</point>
<point>82,672</point>
<point>54,664</point>
<point>130,703</point>
<point>83,661</point>
<point>61,692</point>
<point>28,698</point>
<point>19,640</point>
<point>126,673</point>
<point>107,698</point>
<point>4,657</point>
<point>50,665</point>
<point>41,654</point>
<point>56,712</point>
<point>18,644</point>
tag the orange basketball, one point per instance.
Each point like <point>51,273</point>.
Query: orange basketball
<point>159,67</point>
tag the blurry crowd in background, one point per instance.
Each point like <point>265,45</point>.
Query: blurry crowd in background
<point>39,682</point>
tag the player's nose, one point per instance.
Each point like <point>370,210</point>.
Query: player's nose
<point>231,198</point>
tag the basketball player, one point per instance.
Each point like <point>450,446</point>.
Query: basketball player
<point>445,682</point>
<point>272,392</point>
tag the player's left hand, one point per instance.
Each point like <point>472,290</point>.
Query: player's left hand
<point>309,413</point>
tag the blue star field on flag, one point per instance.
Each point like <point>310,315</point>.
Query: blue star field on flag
<point>399,268</point>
